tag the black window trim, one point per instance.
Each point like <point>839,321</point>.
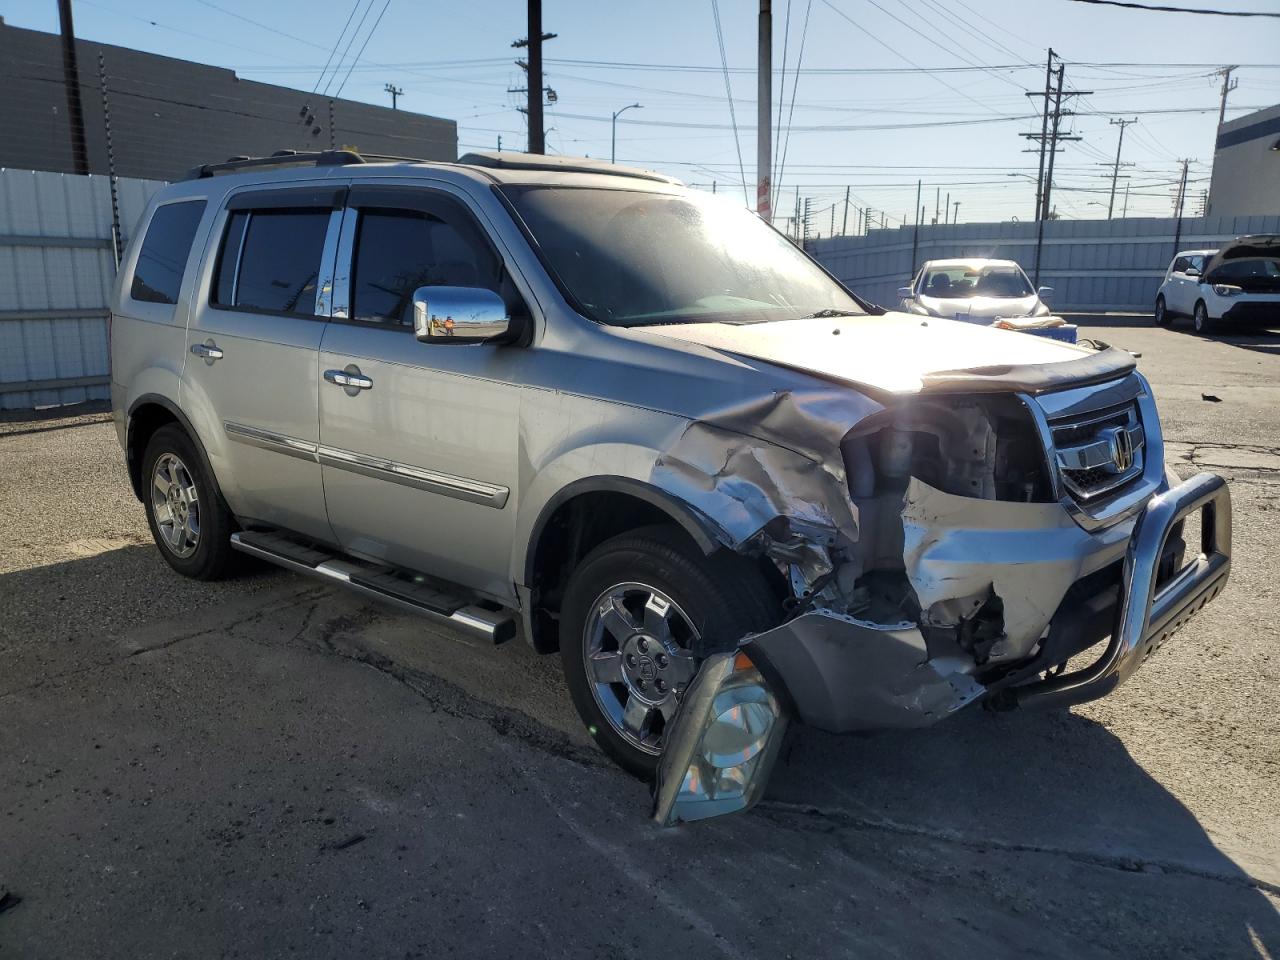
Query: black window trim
<point>329,198</point>
<point>182,279</point>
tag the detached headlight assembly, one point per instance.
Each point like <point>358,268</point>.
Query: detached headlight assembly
<point>722,744</point>
<point>1226,289</point>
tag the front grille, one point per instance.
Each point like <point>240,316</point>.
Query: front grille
<point>1101,452</point>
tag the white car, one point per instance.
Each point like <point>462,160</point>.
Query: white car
<point>1238,284</point>
<point>976,291</point>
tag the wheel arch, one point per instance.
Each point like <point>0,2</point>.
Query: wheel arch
<point>579,517</point>
<point>147,414</point>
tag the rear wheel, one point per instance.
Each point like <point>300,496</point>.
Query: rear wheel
<point>1200,319</point>
<point>188,519</point>
<point>636,612</point>
<point>1161,313</point>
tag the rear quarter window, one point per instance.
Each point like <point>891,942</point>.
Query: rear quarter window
<point>157,276</point>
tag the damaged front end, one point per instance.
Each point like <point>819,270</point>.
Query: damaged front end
<point>964,546</point>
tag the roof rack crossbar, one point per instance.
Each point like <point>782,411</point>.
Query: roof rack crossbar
<point>285,158</point>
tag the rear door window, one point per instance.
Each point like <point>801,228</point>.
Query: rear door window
<point>271,260</point>
<point>157,277</point>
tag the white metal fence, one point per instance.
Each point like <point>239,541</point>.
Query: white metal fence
<point>1091,264</point>
<point>57,269</point>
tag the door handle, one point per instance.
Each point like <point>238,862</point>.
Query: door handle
<point>209,350</point>
<point>350,378</point>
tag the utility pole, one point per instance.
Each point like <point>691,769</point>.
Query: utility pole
<point>1177,207</point>
<point>764,114</point>
<point>844,228</point>
<point>915,233</point>
<point>832,233</point>
<point>1227,86</point>
<point>804,242</point>
<point>71,79</point>
<point>1124,213</point>
<point>117,241</point>
<point>396,94</point>
<point>956,218</point>
<point>1044,130</point>
<point>499,143</point>
<point>937,201</point>
<point>947,209</point>
<point>1115,172</point>
<point>533,86</point>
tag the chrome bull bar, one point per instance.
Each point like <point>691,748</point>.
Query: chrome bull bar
<point>1147,614</point>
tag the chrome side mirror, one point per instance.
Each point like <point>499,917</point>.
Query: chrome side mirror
<point>1191,272</point>
<point>458,315</point>
<point>904,293</point>
<point>1044,293</point>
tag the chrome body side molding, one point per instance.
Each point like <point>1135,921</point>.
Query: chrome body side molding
<point>460,488</point>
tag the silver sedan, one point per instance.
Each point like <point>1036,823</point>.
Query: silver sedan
<point>977,291</point>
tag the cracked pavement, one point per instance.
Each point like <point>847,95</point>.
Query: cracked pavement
<point>268,767</point>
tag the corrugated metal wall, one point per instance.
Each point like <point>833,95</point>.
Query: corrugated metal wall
<point>1091,264</point>
<point>57,270</point>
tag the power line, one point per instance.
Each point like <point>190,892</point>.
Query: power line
<point>347,48</point>
<point>1159,8</point>
<point>367,37</point>
<point>728,90</point>
<point>795,85</point>
<point>342,33</point>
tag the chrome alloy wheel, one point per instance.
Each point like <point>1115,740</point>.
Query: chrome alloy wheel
<point>176,505</point>
<point>638,656</point>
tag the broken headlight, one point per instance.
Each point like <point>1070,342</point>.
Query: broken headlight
<point>722,744</point>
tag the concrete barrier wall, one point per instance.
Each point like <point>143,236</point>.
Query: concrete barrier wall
<point>1091,264</point>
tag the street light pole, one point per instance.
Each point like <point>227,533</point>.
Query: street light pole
<point>613,139</point>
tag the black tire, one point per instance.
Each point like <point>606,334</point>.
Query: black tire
<point>1201,320</point>
<point>1161,317</point>
<point>724,596</point>
<point>212,557</point>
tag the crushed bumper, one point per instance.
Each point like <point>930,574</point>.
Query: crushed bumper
<point>1150,611</point>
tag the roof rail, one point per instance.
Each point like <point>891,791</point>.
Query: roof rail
<point>561,164</point>
<point>293,158</point>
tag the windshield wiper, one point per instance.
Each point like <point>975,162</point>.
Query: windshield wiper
<point>829,312</point>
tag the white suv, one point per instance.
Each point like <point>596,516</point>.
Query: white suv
<point>1238,284</point>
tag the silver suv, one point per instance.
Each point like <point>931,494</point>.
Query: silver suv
<point>628,421</point>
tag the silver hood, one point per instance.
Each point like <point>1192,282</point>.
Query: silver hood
<point>979,308</point>
<point>893,353</point>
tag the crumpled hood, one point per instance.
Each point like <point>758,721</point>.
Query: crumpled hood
<point>892,353</point>
<point>979,308</point>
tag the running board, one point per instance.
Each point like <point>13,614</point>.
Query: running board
<point>492,626</point>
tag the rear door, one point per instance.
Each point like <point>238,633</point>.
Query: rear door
<point>1178,293</point>
<point>250,380</point>
<point>420,461</point>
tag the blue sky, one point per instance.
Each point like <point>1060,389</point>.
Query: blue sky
<point>455,60</point>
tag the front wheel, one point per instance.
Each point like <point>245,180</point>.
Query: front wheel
<point>638,612</point>
<point>1200,319</point>
<point>1161,313</point>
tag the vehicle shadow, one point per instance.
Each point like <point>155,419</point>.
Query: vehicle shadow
<point>1055,784</point>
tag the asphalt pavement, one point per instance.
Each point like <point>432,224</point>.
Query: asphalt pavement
<point>267,767</point>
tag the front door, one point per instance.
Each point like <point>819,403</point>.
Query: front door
<point>418,442</point>
<point>253,345</point>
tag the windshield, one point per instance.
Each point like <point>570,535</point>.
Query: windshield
<point>630,258</point>
<point>959,282</point>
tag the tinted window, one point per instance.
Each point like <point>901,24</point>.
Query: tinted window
<point>398,251</point>
<point>958,282</point>
<point>270,260</point>
<point>1180,264</point>
<point>158,275</point>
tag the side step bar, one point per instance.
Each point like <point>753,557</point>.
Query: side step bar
<point>492,626</point>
